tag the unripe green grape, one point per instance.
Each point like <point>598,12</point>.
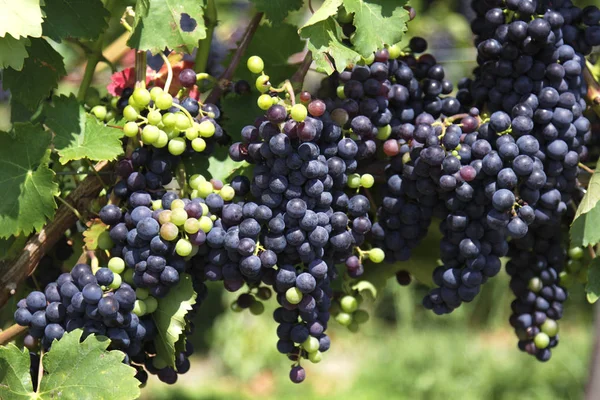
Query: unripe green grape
<point>574,266</point>
<point>235,307</point>
<point>130,113</point>
<point>257,308</point>
<point>149,134</point>
<point>164,101</point>
<point>196,180</point>
<point>179,216</point>
<point>199,145</point>
<point>141,97</point>
<point>99,112</point>
<point>353,327</point>
<point>541,340</point>
<point>116,283</point>
<point>370,59</point>
<point>182,122</point>
<point>183,247</point>
<point>191,133</point>
<point>110,115</point>
<point>227,193</point>
<point>155,92</point>
<point>565,279</point>
<point>195,250</point>
<point>340,92</point>
<point>576,253</point>
<point>104,241</point>
<point>206,129</point>
<point>172,133</point>
<point>348,304</point>
<point>128,276</point>
<point>311,344</point>
<point>177,146</point>
<point>376,255</point>
<point>132,103</point>
<point>361,316</point>
<point>204,189</point>
<point>159,363</point>
<point>213,218</point>
<point>315,357</point>
<point>169,231</point>
<point>156,205</point>
<point>113,102</point>
<point>164,217</point>
<point>264,102</point>
<point>154,117</point>
<point>550,327</point>
<point>353,181</point>
<point>299,112</point>
<point>151,304</point>
<point>344,319</point>
<point>384,132</point>
<point>262,84</point>
<point>116,265</point>
<point>92,97</point>
<point>293,295</point>
<point>367,181</point>
<point>162,140</point>
<point>205,210</point>
<point>255,64</point>
<point>139,308</point>
<point>168,120</point>
<point>177,203</point>
<point>395,51</point>
<point>535,284</point>
<point>191,225</point>
<point>142,293</point>
<point>206,223</point>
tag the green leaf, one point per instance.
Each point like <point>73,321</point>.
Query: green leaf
<point>218,166</point>
<point>377,22</point>
<point>585,230</point>
<point>92,234</point>
<point>158,25</point>
<point>15,379</point>
<point>40,74</point>
<point>275,45</point>
<point>277,10</point>
<point>82,19</point>
<point>238,111</point>
<point>20,18</point>
<point>592,289</point>
<point>592,195</point>
<point>72,370</point>
<point>28,185</point>
<point>324,36</point>
<point>169,317</point>
<point>13,52</point>
<point>79,135</point>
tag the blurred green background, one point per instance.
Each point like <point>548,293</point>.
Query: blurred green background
<point>404,352</point>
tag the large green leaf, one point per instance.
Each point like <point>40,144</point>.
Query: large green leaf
<point>592,194</point>
<point>324,36</point>
<point>218,166</point>
<point>377,22</point>
<point>72,370</point>
<point>592,288</point>
<point>238,111</point>
<point>169,318</point>
<point>13,52</point>
<point>585,228</point>
<point>158,25</point>
<point>275,45</point>
<point>27,183</point>
<point>40,74</point>
<point>277,10</point>
<point>82,19</point>
<point>20,18</point>
<point>79,135</point>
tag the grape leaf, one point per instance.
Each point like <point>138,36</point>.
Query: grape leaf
<point>377,22</point>
<point>171,24</point>
<point>218,166</point>
<point>13,52</point>
<point>585,229</point>
<point>324,36</point>
<point>40,74</point>
<point>275,45</point>
<point>20,18</point>
<point>72,370</point>
<point>15,379</point>
<point>82,19</point>
<point>92,234</point>
<point>324,41</point>
<point>79,135</point>
<point>592,289</point>
<point>277,10</point>
<point>169,318</point>
<point>592,195</point>
<point>28,185</point>
<point>238,111</point>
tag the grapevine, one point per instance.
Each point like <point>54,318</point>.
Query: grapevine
<point>195,170</point>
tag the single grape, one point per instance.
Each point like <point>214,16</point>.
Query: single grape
<point>255,64</point>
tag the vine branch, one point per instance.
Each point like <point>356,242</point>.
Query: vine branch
<point>13,271</point>
<point>11,333</point>
<point>225,78</point>
<point>298,77</point>
<point>203,51</point>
